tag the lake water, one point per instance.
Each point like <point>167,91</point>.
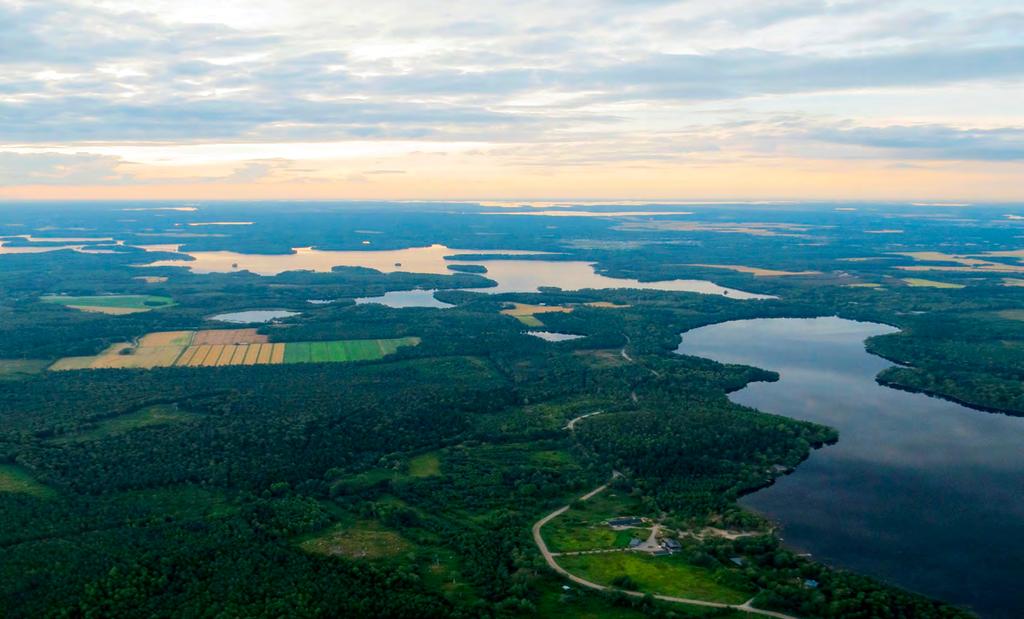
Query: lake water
<point>511,275</point>
<point>406,298</point>
<point>252,316</point>
<point>551,336</point>
<point>920,492</point>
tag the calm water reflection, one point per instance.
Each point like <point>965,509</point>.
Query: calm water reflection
<point>406,298</point>
<point>921,492</point>
<point>511,275</point>
<point>253,316</point>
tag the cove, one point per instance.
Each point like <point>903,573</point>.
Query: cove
<point>920,492</point>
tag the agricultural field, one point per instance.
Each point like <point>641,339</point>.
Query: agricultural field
<point>666,575</point>
<point>917,282</point>
<point>114,304</point>
<point>526,313</point>
<point>16,479</point>
<point>221,347</point>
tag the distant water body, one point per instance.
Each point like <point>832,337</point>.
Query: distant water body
<point>920,492</point>
<point>511,275</point>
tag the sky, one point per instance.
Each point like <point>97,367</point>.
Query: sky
<point>524,100</point>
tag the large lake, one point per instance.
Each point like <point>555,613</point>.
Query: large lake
<point>510,274</point>
<point>920,492</point>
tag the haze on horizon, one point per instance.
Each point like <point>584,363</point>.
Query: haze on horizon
<point>596,99</point>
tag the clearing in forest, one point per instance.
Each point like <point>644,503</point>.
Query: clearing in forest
<point>14,478</point>
<point>114,304</point>
<point>670,575</point>
<point>526,313</point>
<point>917,282</point>
<point>364,540</point>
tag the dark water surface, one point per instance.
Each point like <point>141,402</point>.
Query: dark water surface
<point>920,492</point>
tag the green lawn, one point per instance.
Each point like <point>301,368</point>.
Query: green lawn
<point>140,301</point>
<point>425,465</point>
<point>14,478</point>
<point>665,575</point>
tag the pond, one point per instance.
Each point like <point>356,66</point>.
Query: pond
<point>406,298</point>
<point>253,316</point>
<point>919,491</point>
<point>551,336</point>
<point>511,275</point>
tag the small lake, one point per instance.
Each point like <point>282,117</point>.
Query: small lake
<point>406,298</point>
<point>551,336</point>
<point>511,275</point>
<point>253,316</point>
<point>920,492</point>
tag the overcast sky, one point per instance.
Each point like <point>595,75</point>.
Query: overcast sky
<point>532,99</point>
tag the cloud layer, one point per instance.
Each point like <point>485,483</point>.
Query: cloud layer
<point>530,83</point>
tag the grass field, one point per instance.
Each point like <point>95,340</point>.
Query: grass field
<point>582,527</point>
<point>222,347</point>
<point>526,313</point>
<point>364,540</point>
<point>111,303</point>
<point>17,369</point>
<point>665,575</point>
<point>425,465</point>
<point>14,478</point>
<point>917,282</point>
<point>159,414</point>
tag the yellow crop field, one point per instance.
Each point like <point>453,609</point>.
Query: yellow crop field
<point>73,363</point>
<point>929,283</point>
<point>238,354</point>
<point>230,336</point>
<point>200,356</point>
<point>277,356</point>
<point>216,351</point>
<point>186,357</point>
<point>265,352</point>
<point>251,354</point>
<point>166,338</point>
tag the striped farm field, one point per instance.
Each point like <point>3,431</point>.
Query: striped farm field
<point>224,347</point>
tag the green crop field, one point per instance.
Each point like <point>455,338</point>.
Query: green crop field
<point>344,350</point>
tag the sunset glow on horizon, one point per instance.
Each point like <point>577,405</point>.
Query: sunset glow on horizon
<point>654,100</point>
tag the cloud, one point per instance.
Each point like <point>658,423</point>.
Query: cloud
<point>59,169</point>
